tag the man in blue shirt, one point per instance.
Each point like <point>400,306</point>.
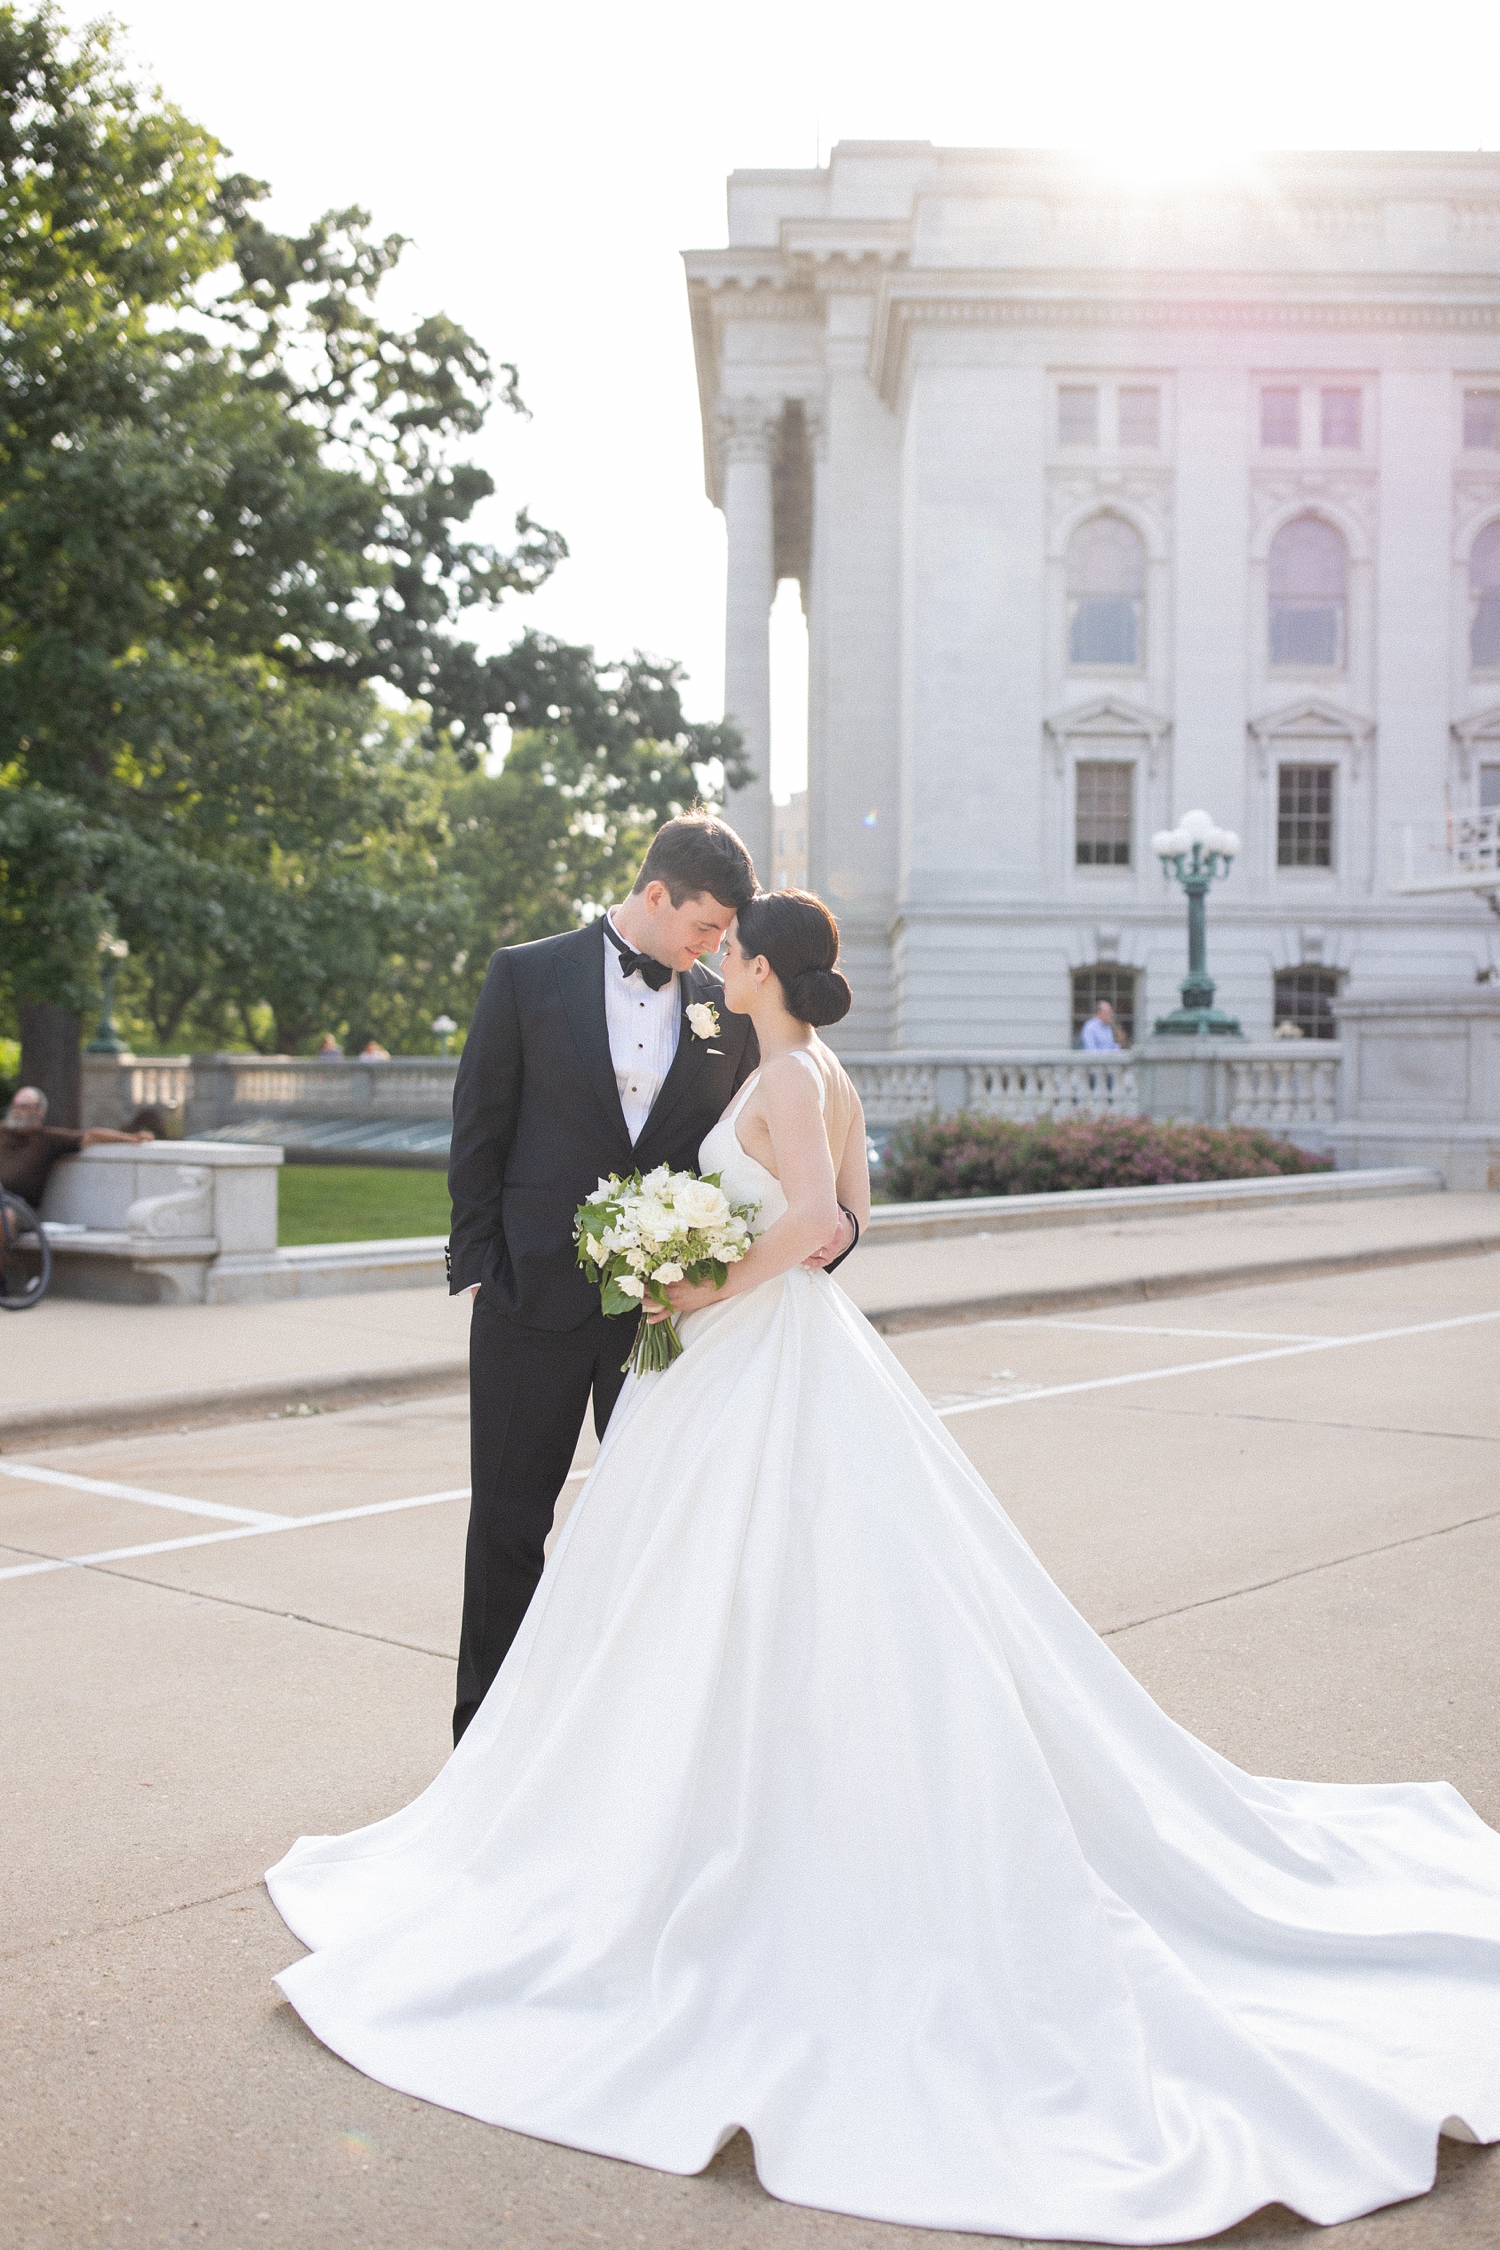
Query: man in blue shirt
<point>1099,1032</point>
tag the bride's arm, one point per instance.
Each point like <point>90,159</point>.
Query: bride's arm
<point>788,1100</point>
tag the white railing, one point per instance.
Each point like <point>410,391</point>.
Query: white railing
<point>1461,852</point>
<point>1476,843</point>
<point>894,1088</point>
<point>160,1085</point>
<point>1099,1086</point>
<point>1283,1090</point>
<point>215,1091</point>
<point>1279,1085</point>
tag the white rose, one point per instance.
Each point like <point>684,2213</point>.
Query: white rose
<point>637,1260</point>
<point>701,1205</point>
<point>655,1181</point>
<point>630,1285</point>
<point>668,1272</point>
<point>703,1020</point>
<point>653,1221</point>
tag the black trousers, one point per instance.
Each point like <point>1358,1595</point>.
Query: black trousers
<point>528,1389</point>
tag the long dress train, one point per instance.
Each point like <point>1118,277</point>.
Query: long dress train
<point>805,1803</point>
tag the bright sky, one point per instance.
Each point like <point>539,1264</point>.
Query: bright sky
<point>551,161</point>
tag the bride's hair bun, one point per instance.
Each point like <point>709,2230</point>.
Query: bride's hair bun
<point>800,938</point>
<point>818,996</point>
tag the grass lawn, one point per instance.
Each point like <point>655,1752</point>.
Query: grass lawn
<point>357,1203</point>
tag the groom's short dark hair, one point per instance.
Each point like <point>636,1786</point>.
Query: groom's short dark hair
<point>697,853</point>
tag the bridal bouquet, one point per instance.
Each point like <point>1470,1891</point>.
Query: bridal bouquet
<point>640,1234</point>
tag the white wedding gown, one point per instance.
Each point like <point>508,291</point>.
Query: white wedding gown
<point>805,1803</point>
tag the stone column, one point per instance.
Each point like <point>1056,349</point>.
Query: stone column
<point>748,429</point>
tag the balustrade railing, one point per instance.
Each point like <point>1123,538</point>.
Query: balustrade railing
<point>1281,1085</point>
<point>894,1088</point>
<point>1281,1089</point>
<point>1278,1085</point>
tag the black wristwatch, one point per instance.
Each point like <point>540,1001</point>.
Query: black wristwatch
<point>834,1263</point>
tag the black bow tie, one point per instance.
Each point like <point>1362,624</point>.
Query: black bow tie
<point>654,973</point>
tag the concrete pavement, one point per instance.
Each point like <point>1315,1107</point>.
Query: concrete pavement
<point>72,1367</point>
<point>1280,1503</point>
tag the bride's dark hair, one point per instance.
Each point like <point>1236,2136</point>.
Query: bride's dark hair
<point>800,939</point>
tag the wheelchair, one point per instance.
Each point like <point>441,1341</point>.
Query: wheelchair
<point>25,1255</point>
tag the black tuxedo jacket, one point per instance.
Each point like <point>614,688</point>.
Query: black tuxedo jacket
<point>537,1119</point>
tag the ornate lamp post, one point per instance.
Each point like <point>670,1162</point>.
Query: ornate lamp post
<point>1196,851</point>
<point>445,1027</point>
<point>106,1040</point>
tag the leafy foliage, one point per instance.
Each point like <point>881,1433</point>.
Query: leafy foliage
<point>934,1159</point>
<point>239,720</point>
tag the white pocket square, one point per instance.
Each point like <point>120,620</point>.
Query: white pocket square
<point>716,1051</point>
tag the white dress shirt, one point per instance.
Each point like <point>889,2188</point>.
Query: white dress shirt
<point>644,1027</point>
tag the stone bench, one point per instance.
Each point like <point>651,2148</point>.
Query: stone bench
<point>160,1222</point>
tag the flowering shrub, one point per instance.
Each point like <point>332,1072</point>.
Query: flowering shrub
<point>936,1158</point>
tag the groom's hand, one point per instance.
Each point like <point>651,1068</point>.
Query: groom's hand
<point>839,1241</point>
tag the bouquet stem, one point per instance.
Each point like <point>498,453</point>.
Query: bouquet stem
<point>656,1345</point>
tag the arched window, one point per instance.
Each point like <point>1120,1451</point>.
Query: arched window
<point>1484,600</point>
<point>1106,593</point>
<point>1309,587</point>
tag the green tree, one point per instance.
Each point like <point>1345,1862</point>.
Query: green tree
<point>240,720</point>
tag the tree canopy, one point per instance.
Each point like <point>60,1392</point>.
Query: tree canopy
<point>240,719</point>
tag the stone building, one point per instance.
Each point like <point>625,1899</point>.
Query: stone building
<point>1105,504</point>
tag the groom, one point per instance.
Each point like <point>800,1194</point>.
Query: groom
<point>581,1060</point>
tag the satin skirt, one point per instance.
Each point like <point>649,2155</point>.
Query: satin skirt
<point>805,1803</point>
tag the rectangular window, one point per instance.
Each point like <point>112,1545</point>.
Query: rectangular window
<point>1482,421</point>
<point>1140,414</point>
<point>1106,981</point>
<point>1278,417</point>
<point>1078,414</point>
<point>1489,788</point>
<point>1102,796</point>
<point>1304,816</point>
<point>1341,419</point>
<point>1303,998</point>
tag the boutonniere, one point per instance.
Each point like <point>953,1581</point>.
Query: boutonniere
<point>703,1020</point>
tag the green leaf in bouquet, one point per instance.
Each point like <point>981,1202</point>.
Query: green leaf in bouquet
<point>616,1301</point>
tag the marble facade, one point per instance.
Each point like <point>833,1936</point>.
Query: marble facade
<point>1104,504</point>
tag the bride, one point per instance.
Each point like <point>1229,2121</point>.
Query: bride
<point>805,1803</point>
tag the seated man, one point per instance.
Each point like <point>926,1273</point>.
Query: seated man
<point>29,1146</point>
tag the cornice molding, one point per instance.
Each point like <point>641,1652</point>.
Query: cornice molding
<point>1108,718</point>
<point>907,302</point>
<point>1312,718</point>
<point>1479,732</point>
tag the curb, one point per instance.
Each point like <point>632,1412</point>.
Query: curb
<point>997,1214</point>
<point>894,1320</point>
<point>229,1402</point>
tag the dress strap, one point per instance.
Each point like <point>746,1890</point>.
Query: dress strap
<point>800,1054</point>
<point>740,1099</point>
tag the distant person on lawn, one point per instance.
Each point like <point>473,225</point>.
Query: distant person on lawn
<point>29,1146</point>
<point>1099,1032</point>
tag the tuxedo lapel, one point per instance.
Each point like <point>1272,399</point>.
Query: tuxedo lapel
<point>580,980</point>
<point>688,1060</point>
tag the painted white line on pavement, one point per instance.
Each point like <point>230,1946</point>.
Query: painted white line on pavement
<point>264,1529</point>
<point>1127,1328</point>
<point>242,1531</point>
<point>1207,1366</point>
<point>26,1474</point>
